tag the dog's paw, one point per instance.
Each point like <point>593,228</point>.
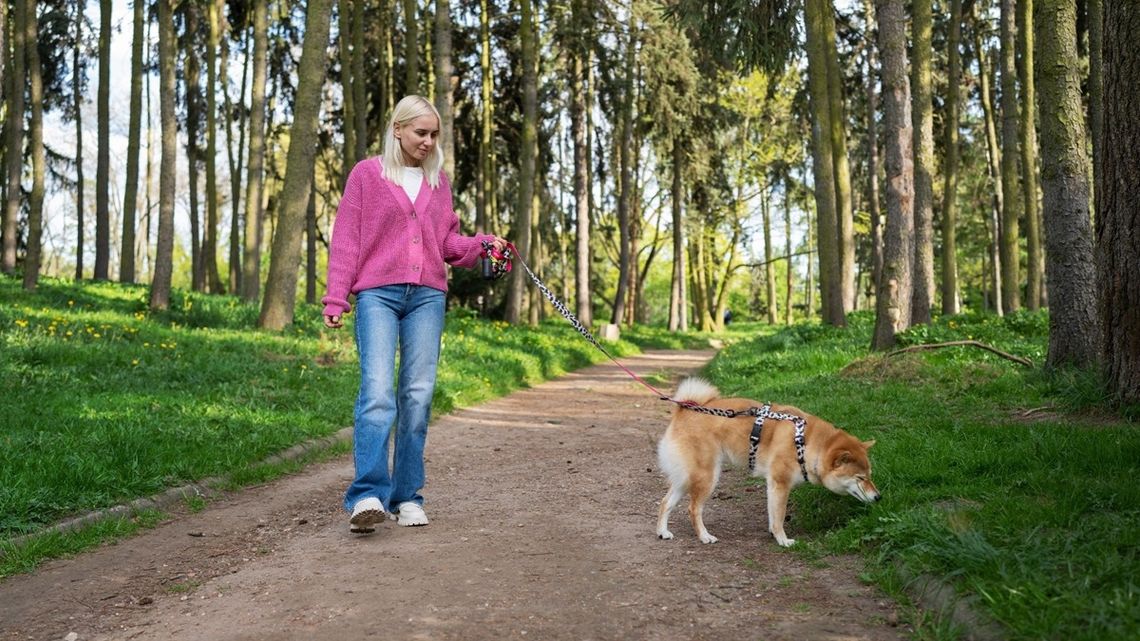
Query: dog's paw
<point>665,535</point>
<point>786,542</point>
<point>708,538</point>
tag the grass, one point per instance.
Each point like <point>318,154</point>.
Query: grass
<point>1010,483</point>
<point>102,401</point>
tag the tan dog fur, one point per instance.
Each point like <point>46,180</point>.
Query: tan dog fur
<point>695,444</point>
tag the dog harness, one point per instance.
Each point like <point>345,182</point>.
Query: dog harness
<point>758,426</point>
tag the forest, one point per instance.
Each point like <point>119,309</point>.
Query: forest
<point>669,162</point>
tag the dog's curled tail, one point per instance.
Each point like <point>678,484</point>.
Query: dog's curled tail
<point>696,390</point>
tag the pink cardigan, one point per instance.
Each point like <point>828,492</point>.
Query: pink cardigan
<point>382,238</point>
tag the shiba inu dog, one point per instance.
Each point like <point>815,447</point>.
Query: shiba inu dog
<point>781,443</point>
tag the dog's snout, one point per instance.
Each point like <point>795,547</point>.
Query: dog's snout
<point>876,497</point>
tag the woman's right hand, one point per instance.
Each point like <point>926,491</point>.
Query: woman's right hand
<point>333,322</point>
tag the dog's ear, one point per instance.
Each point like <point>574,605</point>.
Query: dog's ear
<point>842,458</point>
<point>868,444</point>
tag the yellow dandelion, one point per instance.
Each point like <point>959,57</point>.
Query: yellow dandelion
<point>21,322</point>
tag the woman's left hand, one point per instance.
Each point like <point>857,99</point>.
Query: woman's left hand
<point>499,243</point>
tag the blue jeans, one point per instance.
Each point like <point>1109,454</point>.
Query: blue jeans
<point>412,316</point>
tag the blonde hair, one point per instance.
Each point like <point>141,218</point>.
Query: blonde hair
<point>408,109</point>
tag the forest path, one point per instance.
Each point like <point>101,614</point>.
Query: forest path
<point>543,506</point>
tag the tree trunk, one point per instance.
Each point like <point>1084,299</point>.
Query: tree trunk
<point>823,166</point>
<point>1118,243</point>
<point>36,141</point>
<point>484,209</point>
<point>1096,89</point>
<point>769,264</point>
<point>527,162</point>
<point>192,78</point>
<point>77,95</point>
<point>1035,267</point>
<point>347,92</point>
<point>892,304</point>
<point>251,254</point>
<point>236,160</point>
<point>311,246</point>
<point>872,158</point>
<point>922,277</point>
<point>281,285</point>
<point>788,250</point>
<point>411,47</point>
<point>1074,330</point>
<point>1011,196</point>
<point>950,304</point>
<point>360,89</point>
<point>678,307</point>
<point>444,96</point>
<point>17,80</point>
<point>164,251</point>
<point>210,241</point>
<point>130,200</point>
<point>994,156</point>
<point>844,212</point>
<point>103,155</point>
<point>581,170</point>
<point>626,191</point>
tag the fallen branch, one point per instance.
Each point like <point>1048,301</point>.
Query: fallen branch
<point>914,348</point>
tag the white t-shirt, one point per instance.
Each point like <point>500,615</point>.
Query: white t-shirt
<point>411,180</point>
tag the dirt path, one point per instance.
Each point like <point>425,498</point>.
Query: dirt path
<point>543,506</point>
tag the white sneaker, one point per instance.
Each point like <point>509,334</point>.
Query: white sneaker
<point>365,515</point>
<point>410,513</point>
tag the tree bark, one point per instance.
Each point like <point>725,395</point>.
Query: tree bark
<point>769,267</point>
<point>1096,89</point>
<point>77,96</point>
<point>1074,330</point>
<point>678,306</point>
<point>360,89</point>
<point>411,47</point>
<point>578,108</point>
<point>164,250</point>
<point>17,80</point>
<point>950,304</point>
<point>892,304</point>
<point>994,156</point>
<point>527,162</point>
<point>251,254</point>
<point>1010,181</point>
<point>823,166</point>
<point>236,162</point>
<point>922,276</point>
<point>36,141</point>
<point>192,78</point>
<point>626,190</point>
<point>444,95</point>
<point>134,136</point>
<point>210,240</point>
<point>1034,287</point>
<point>844,212</point>
<point>788,250</point>
<point>103,154</point>
<point>1118,243</point>
<point>348,93</point>
<point>872,157</point>
<point>281,285</point>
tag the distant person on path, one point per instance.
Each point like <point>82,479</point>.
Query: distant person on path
<point>395,233</point>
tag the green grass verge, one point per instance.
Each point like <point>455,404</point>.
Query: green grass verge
<point>1010,483</point>
<point>102,401</point>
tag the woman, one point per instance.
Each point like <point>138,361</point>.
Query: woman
<point>395,233</point>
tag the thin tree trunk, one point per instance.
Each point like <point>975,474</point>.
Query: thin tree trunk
<point>1035,269</point>
<point>444,96</point>
<point>844,212</point>
<point>1012,196</point>
<point>411,47</point>
<point>130,200</point>
<point>192,78</point>
<point>626,192</point>
<point>581,172</point>
<point>236,160</point>
<point>210,243</point>
<point>77,94</point>
<point>103,155</point>
<point>17,80</point>
<point>788,250</point>
<point>254,193</point>
<point>678,307</point>
<point>33,258</point>
<point>922,276</point>
<point>485,187</point>
<point>311,246</point>
<point>769,267</point>
<point>1118,244</point>
<point>823,165</point>
<point>950,169</point>
<point>1074,329</point>
<point>892,304</point>
<point>348,94</point>
<point>281,286</point>
<point>872,156</point>
<point>994,156</point>
<point>359,89</point>
<point>164,251</point>
<point>527,162</point>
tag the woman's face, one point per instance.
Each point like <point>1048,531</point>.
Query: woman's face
<point>417,139</point>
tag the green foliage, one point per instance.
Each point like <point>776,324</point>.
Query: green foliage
<point>1008,482</point>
